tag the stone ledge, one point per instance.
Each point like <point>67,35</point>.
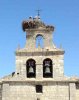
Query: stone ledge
<point>40,29</point>
<point>40,81</point>
<point>42,53</point>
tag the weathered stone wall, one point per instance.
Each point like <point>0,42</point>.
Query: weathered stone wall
<point>5,91</point>
<point>72,91</point>
<point>57,91</point>
<point>0,92</point>
<point>23,91</point>
<point>77,91</point>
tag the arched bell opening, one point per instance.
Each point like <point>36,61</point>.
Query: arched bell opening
<point>31,68</point>
<point>39,41</point>
<point>47,68</point>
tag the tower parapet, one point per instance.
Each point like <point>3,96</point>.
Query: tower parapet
<point>35,23</point>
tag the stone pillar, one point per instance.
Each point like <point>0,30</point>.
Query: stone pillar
<point>72,91</point>
<point>30,42</point>
<point>5,91</point>
<point>58,66</point>
<point>0,92</point>
<point>48,40</point>
<point>39,68</point>
<point>18,65</point>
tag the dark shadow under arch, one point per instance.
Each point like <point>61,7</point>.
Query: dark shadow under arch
<point>47,68</point>
<point>39,41</point>
<point>31,68</point>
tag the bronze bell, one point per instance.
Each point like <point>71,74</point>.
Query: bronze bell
<point>47,64</point>
<point>47,70</point>
<point>31,70</point>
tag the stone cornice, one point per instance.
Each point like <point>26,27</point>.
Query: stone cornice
<point>40,81</point>
<point>39,29</point>
<point>43,53</point>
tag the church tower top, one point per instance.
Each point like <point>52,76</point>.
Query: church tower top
<point>38,34</point>
<point>40,55</point>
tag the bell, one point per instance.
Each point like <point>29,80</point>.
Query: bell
<point>47,64</point>
<point>31,70</point>
<point>47,70</point>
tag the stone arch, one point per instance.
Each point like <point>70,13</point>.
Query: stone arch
<point>31,68</point>
<point>39,41</point>
<point>47,68</point>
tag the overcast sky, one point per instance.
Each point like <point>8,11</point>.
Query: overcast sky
<point>62,14</point>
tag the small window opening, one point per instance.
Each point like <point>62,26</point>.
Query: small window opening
<point>39,41</point>
<point>38,88</point>
<point>17,73</point>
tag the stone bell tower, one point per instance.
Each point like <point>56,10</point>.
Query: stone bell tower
<point>40,58</point>
<point>39,71</point>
